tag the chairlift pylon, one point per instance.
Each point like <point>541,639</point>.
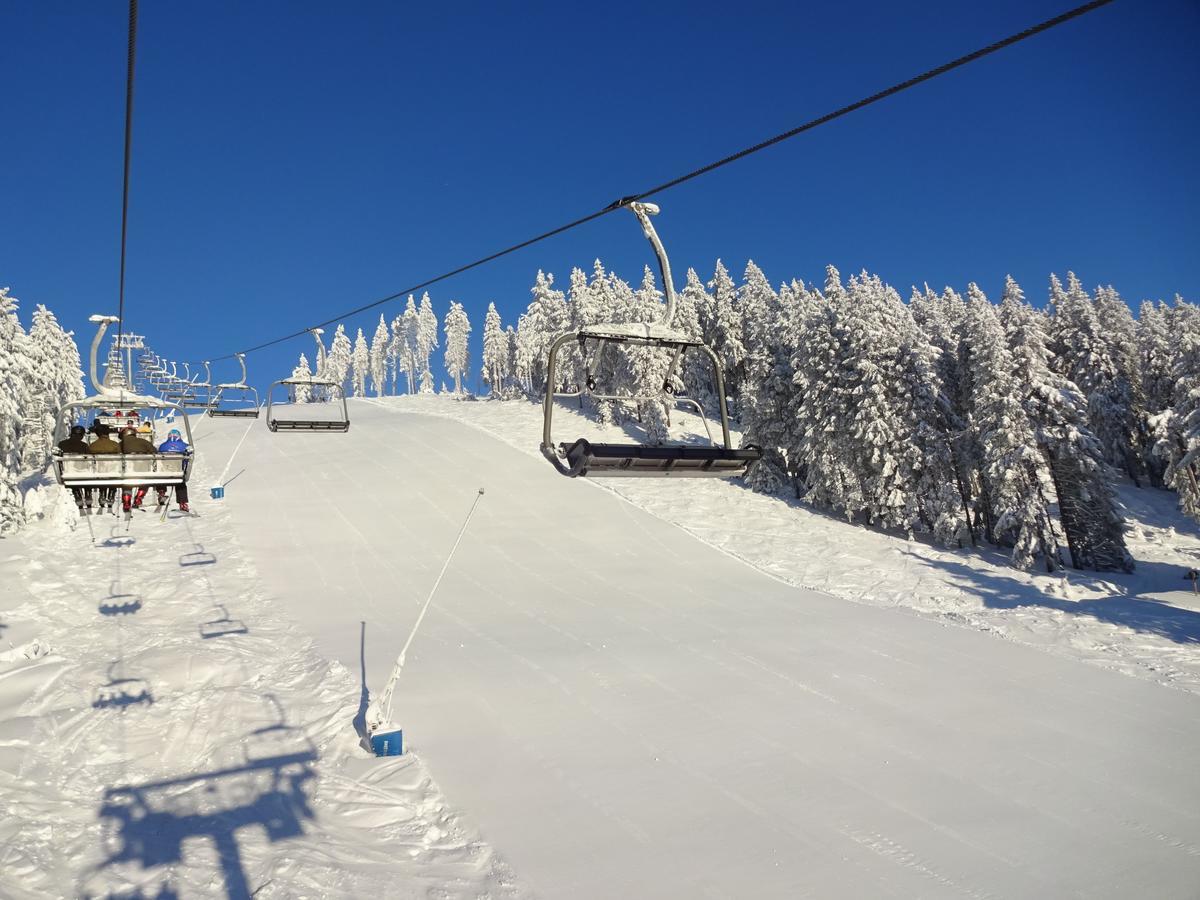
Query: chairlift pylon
<point>241,411</point>
<point>124,470</point>
<point>586,458</point>
<point>330,390</point>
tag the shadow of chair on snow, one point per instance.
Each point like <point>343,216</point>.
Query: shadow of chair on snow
<point>149,823</point>
<point>222,626</point>
<point>120,605</point>
<point>1139,612</point>
<point>121,691</point>
<point>198,557</point>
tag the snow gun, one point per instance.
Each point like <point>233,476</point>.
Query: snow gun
<point>385,738</point>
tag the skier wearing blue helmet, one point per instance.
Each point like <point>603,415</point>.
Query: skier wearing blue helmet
<point>174,444</point>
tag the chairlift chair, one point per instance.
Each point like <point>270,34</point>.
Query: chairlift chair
<point>243,391</point>
<point>587,458</point>
<point>124,470</point>
<point>332,393</point>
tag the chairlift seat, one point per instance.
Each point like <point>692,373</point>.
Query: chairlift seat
<point>584,458</point>
<point>233,413</point>
<point>308,425</point>
<point>84,470</point>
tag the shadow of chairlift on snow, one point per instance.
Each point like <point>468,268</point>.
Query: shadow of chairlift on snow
<point>149,823</point>
<point>118,541</point>
<point>222,626</point>
<point>120,605</point>
<point>198,557</point>
<point>164,892</point>
<point>120,691</point>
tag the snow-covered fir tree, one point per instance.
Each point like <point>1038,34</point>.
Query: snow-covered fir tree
<point>360,364</point>
<point>724,333</point>
<point>16,403</point>
<point>1018,515</point>
<point>406,344</point>
<point>495,353</point>
<point>379,357</point>
<point>340,358</point>
<point>426,338</point>
<point>300,393</point>
<point>57,380</point>
<point>457,357</point>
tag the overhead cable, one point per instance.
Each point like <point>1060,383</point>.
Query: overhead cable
<point>704,170</point>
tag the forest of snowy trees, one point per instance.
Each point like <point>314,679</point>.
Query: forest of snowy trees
<point>39,372</point>
<point>971,421</point>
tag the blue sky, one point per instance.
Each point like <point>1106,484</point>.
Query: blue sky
<point>296,159</point>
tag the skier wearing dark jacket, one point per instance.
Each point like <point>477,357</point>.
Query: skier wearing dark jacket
<point>104,444</point>
<point>174,444</point>
<point>76,444</point>
<point>132,444</point>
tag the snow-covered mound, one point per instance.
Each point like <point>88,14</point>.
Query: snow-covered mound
<point>597,705</point>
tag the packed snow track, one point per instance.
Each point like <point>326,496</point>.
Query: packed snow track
<point>622,710</point>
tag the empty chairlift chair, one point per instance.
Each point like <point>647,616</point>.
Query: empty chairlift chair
<point>309,394</point>
<point>588,458</point>
<point>231,399</point>
<point>120,470</point>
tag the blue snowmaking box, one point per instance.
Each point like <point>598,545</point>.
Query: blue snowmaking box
<point>217,492</point>
<point>388,743</point>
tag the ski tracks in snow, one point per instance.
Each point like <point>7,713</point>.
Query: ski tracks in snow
<point>163,728</point>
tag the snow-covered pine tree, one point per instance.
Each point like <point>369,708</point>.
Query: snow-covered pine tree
<point>57,380</point>
<point>1084,354</point>
<point>457,330</point>
<point>513,384</point>
<point>426,342</point>
<point>825,381</point>
<point>725,334</point>
<point>16,402</point>
<point>395,348</point>
<point>495,353</point>
<point>1057,410</point>
<point>766,383</point>
<point>406,344</point>
<point>1180,428</point>
<point>360,364</point>
<point>544,319</point>
<point>301,393</point>
<point>340,357</point>
<point>1019,516</point>
<point>379,357</point>
<point>691,305</point>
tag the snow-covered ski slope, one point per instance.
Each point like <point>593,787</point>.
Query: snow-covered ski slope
<point>598,705</point>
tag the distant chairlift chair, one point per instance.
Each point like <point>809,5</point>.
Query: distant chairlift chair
<point>585,458</point>
<point>243,392</point>
<point>330,391</point>
<point>128,471</point>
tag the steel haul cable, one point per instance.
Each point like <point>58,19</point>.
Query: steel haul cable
<point>133,15</point>
<point>704,170</point>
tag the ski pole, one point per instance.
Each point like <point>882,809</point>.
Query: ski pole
<point>385,699</point>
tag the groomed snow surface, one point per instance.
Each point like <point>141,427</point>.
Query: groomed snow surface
<point>630,689</point>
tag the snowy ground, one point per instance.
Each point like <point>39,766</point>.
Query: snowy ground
<point>166,731</point>
<point>598,705</point>
<point>1145,624</point>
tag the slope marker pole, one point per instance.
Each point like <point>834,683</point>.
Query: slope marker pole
<point>386,739</point>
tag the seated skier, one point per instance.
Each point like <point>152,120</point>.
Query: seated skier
<point>131,443</point>
<point>76,444</point>
<point>174,444</point>
<point>104,444</point>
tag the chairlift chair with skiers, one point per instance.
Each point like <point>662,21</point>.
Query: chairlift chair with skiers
<point>323,389</point>
<point>123,470</point>
<point>230,399</point>
<point>586,458</point>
